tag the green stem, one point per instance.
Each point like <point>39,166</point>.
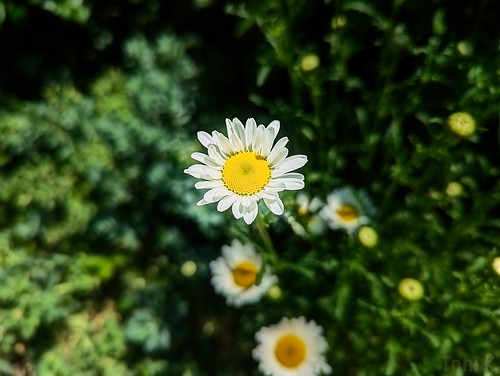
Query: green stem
<point>266,238</point>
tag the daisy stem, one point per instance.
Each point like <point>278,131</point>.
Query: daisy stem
<point>266,238</point>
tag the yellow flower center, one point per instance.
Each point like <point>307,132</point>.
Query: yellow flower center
<point>246,173</point>
<point>347,213</point>
<point>303,211</point>
<point>290,351</point>
<point>245,274</point>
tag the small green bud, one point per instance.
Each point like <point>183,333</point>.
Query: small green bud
<point>411,289</point>
<point>188,269</point>
<point>368,236</point>
<point>462,123</point>
<point>309,62</point>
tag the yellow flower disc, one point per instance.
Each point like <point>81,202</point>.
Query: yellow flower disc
<point>246,173</point>
<point>303,211</point>
<point>245,274</point>
<point>290,351</point>
<point>347,213</point>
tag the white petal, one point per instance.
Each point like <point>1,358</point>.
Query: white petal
<point>293,175</point>
<point>215,194</point>
<point>289,175</point>
<point>251,214</point>
<point>239,130</point>
<point>203,158</point>
<point>200,157</point>
<point>293,184</point>
<point>213,152</point>
<point>250,128</point>
<point>289,164</point>
<point>205,138</point>
<point>198,171</point>
<point>270,135</point>
<point>224,144</point>
<point>245,201</point>
<point>226,202</point>
<point>266,145</point>
<point>276,185</point>
<point>270,194</point>
<point>208,184</point>
<point>258,139</point>
<point>237,209</point>
<point>275,126</point>
<point>277,151</point>
<point>236,143</point>
<point>212,173</point>
<point>229,127</point>
<point>276,206</point>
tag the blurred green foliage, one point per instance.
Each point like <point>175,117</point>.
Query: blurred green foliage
<point>98,217</point>
<point>93,201</point>
<point>372,108</point>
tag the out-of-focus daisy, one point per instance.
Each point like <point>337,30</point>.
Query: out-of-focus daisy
<point>347,209</point>
<point>245,167</point>
<point>293,347</point>
<point>307,219</point>
<point>234,275</point>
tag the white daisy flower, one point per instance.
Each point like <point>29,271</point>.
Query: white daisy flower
<point>234,275</point>
<point>244,167</point>
<point>347,209</point>
<point>293,347</point>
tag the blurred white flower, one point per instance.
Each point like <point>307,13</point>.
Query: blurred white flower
<point>347,209</point>
<point>307,219</point>
<point>293,347</point>
<point>245,167</point>
<point>234,275</point>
